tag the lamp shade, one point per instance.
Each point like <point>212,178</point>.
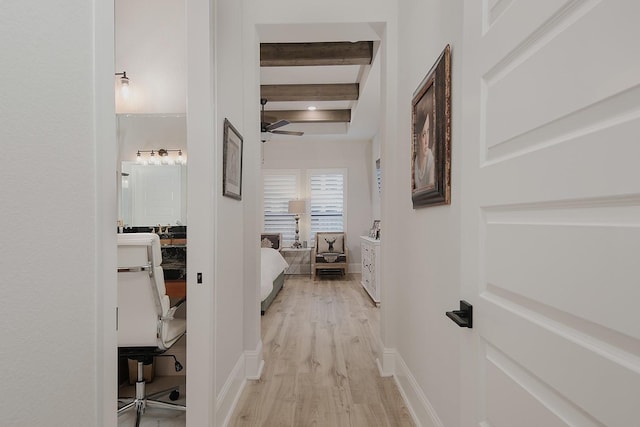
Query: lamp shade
<point>297,207</point>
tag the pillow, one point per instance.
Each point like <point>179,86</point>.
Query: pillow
<point>330,243</point>
<point>270,240</point>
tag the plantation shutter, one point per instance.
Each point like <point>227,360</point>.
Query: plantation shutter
<point>327,202</point>
<point>278,190</point>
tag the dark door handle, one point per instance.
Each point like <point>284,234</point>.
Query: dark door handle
<point>462,317</point>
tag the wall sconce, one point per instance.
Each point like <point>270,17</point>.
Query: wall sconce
<point>124,83</point>
<point>160,157</point>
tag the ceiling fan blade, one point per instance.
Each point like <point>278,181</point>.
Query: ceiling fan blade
<point>277,125</point>
<point>287,132</point>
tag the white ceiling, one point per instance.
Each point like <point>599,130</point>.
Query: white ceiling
<point>365,112</point>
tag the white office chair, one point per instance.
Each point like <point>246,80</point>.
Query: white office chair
<point>146,323</point>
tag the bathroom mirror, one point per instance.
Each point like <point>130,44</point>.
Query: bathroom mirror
<point>152,194</point>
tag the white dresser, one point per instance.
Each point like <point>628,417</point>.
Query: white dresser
<point>370,249</point>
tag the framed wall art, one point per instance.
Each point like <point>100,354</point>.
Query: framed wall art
<point>232,162</point>
<point>431,136</point>
<point>374,233</point>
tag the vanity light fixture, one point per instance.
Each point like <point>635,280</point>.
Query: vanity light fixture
<point>162,157</point>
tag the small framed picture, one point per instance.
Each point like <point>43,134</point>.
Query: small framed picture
<point>379,176</point>
<point>232,162</point>
<point>374,233</point>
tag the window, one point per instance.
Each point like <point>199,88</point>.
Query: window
<point>326,201</point>
<point>278,190</point>
<point>324,191</point>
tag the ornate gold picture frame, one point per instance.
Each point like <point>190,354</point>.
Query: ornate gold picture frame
<point>431,136</point>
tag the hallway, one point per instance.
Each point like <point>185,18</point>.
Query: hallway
<point>320,340</point>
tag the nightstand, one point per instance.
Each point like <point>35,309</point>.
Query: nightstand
<point>299,260</point>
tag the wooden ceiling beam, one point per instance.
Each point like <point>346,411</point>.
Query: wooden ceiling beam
<point>305,116</point>
<point>308,54</point>
<point>311,92</point>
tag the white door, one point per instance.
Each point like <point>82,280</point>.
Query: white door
<point>551,213</point>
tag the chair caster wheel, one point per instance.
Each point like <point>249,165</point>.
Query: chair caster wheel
<point>174,395</point>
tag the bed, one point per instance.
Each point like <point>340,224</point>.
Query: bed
<point>272,268</point>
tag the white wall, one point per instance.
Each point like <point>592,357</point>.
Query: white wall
<point>53,128</point>
<point>354,156</point>
<point>150,47</point>
<point>202,182</point>
<point>230,227</point>
<point>422,245</point>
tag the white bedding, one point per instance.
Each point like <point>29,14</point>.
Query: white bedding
<point>271,265</point>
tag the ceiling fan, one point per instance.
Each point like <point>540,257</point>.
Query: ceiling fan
<point>270,128</point>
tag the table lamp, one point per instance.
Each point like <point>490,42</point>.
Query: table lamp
<point>297,207</point>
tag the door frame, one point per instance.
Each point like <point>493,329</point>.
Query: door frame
<point>200,387</point>
<point>106,213</point>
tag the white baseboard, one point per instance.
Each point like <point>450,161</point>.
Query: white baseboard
<point>386,364</point>
<point>248,367</point>
<point>419,406</point>
<point>253,363</point>
<point>230,393</point>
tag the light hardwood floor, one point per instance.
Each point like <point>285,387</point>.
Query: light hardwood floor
<point>320,340</point>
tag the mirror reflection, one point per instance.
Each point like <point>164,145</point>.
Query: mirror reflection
<point>153,195</point>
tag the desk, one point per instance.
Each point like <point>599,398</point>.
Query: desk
<point>176,288</point>
<point>299,260</point>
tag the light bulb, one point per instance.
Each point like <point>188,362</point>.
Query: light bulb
<point>180,158</point>
<point>138,158</point>
<point>124,85</point>
<point>312,108</point>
